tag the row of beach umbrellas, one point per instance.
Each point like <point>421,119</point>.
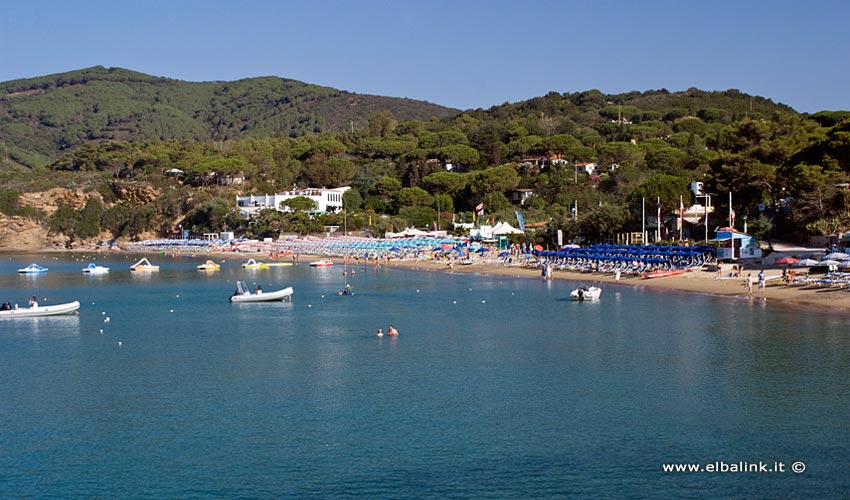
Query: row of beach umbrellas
<point>833,259</point>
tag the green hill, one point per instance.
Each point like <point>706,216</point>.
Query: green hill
<point>41,117</point>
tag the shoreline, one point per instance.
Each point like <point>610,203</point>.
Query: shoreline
<point>806,298</point>
<point>832,300</point>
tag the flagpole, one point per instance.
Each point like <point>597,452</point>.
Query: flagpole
<point>643,221</point>
<point>658,222</point>
<point>681,217</point>
<point>731,220</point>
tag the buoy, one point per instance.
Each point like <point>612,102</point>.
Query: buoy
<point>483,301</point>
<point>119,343</point>
<point>323,296</point>
<point>103,313</point>
<point>106,320</point>
<point>101,331</point>
<point>178,295</point>
<point>171,310</point>
<point>454,302</point>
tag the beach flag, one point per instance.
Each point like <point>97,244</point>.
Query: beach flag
<point>520,221</point>
<point>681,216</point>
<point>479,211</point>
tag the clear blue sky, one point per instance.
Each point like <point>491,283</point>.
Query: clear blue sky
<point>462,54</point>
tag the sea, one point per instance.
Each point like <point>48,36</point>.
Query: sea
<point>495,388</point>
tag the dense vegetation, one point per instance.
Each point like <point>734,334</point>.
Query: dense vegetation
<point>788,172</point>
<point>40,117</point>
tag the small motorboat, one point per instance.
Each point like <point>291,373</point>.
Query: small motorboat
<point>144,265</point>
<point>253,264</point>
<point>586,293</point>
<point>209,266</point>
<point>322,263</point>
<point>33,269</point>
<point>93,268</point>
<point>243,294</point>
<point>36,310</point>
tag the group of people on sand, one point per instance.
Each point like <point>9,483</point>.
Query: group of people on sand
<point>762,281</point>
<point>391,332</point>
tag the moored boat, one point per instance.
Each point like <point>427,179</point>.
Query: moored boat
<point>253,264</point>
<point>37,310</point>
<point>93,268</point>
<point>243,294</point>
<point>322,263</point>
<point>144,265</point>
<point>33,269</point>
<point>586,293</point>
<point>209,266</point>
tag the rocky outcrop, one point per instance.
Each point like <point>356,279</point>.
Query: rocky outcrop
<point>23,234</point>
<point>134,193</point>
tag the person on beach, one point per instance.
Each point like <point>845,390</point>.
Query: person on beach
<point>391,331</point>
<point>749,283</point>
<point>761,281</point>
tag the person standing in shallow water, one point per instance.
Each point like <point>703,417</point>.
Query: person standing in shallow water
<point>749,283</point>
<point>761,281</point>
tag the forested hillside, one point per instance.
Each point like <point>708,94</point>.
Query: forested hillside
<point>41,117</point>
<point>603,154</point>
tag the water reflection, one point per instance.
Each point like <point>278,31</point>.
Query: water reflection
<point>45,326</point>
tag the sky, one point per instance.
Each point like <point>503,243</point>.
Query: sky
<point>457,53</point>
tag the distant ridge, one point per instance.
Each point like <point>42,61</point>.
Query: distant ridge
<point>40,117</point>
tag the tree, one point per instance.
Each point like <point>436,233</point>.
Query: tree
<point>603,221</point>
<point>459,154</point>
<point>492,180</point>
<point>667,187</point>
<point>88,225</point>
<point>414,197</point>
<point>382,123</point>
<point>418,216</point>
<point>301,204</point>
<point>322,171</point>
<point>351,200</point>
<point>444,182</point>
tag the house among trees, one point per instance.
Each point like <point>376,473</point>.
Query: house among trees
<point>587,167</point>
<point>519,196</point>
<point>325,200</point>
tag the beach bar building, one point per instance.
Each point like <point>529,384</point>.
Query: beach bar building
<point>326,200</point>
<point>732,244</point>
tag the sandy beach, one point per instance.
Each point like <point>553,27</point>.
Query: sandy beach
<point>833,300</point>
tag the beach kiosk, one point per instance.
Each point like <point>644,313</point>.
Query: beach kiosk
<point>732,244</point>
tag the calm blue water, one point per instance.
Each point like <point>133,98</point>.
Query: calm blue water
<point>495,388</point>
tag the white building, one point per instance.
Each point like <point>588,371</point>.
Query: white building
<point>327,200</point>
